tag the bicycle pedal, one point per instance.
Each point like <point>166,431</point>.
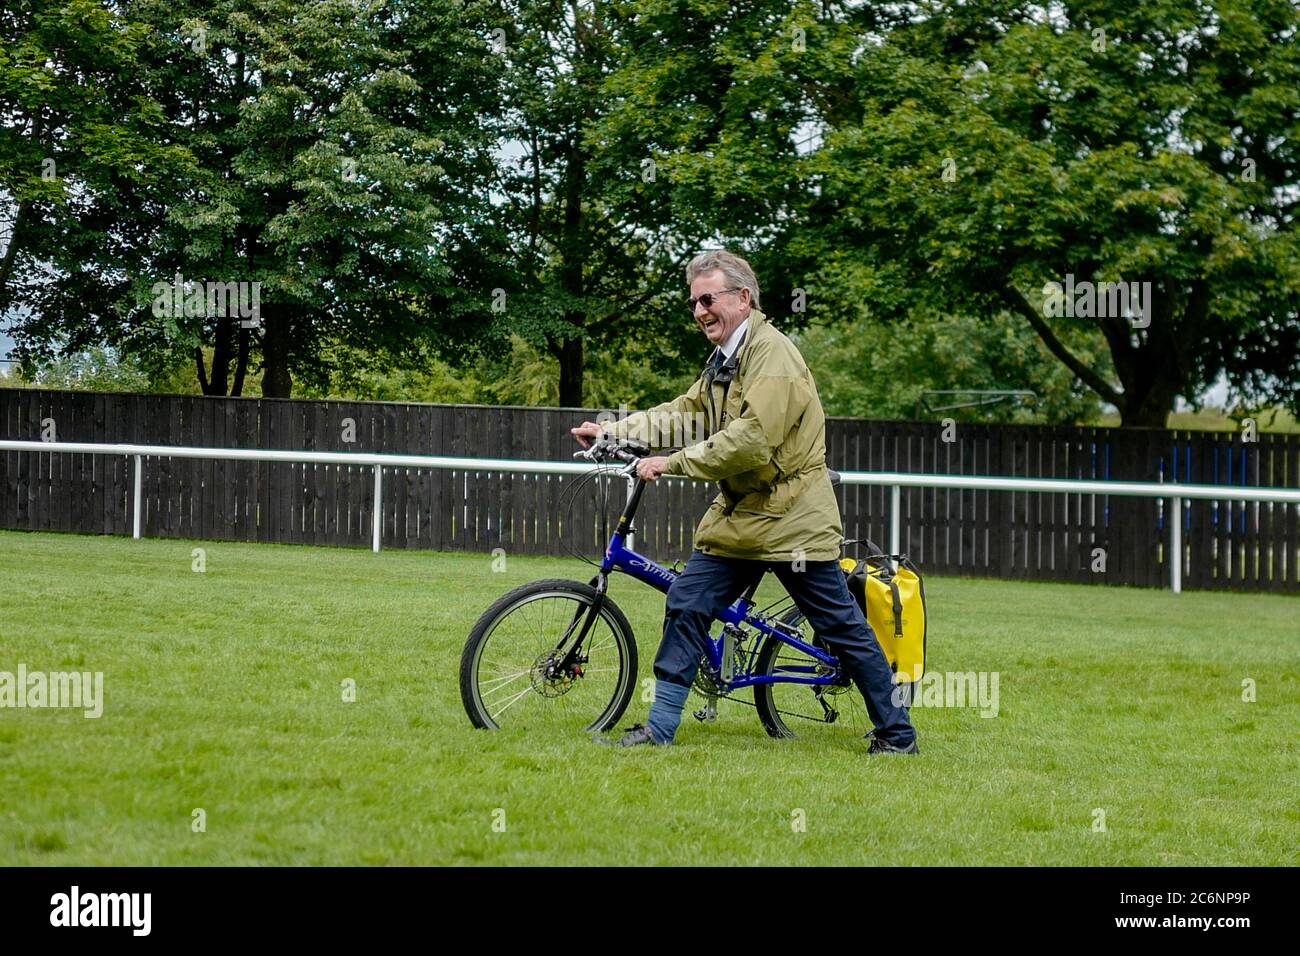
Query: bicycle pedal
<point>705,714</point>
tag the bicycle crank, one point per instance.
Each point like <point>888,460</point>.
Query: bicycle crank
<point>708,713</point>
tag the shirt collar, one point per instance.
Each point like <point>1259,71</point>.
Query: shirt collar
<point>729,347</point>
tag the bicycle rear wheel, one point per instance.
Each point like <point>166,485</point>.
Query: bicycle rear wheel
<point>804,710</point>
<point>509,670</point>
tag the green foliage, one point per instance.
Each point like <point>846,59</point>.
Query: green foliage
<point>877,370</point>
<point>104,369</point>
<point>525,375</point>
<point>321,162</point>
<point>81,153</point>
<point>985,150</point>
<point>513,188</point>
<point>96,370</point>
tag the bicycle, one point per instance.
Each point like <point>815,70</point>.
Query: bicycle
<point>561,653</point>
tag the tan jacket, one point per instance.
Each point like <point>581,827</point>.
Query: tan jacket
<point>766,448</point>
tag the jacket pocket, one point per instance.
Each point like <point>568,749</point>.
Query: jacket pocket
<point>773,503</point>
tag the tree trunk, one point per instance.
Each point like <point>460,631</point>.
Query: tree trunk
<point>1155,371</point>
<point>16,236</point>
<point>219,380</point>
<point>241,362</point>
<point>1150,409</point>
<point>1152,372</point>
<point>276,380</point>
<point>573,256</point>
<point>571,368</point>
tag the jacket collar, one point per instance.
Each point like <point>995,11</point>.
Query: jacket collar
<point>724,371</point>
<point>728,348</point>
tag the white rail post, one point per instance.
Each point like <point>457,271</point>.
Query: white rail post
<point>895,526</point>
<point>379,506</point>
<point>135,503</point>
<point>1176,545</point>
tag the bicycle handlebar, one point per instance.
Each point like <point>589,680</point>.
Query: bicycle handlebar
<point>607,446</point>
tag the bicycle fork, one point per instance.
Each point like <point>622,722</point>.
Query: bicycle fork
<point>571,663</point>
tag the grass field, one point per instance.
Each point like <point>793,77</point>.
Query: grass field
<point>223,693</point>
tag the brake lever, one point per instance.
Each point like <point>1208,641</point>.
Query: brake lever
<point>594,453</point>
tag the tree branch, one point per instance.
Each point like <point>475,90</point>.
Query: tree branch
<point>203,373</point>
<point>1017,302</point>
<point>241,363</point>
<point>632,306</point>
<point>11,251</point>
<point>604,320</point>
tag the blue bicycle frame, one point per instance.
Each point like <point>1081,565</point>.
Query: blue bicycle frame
<point>621,558</point>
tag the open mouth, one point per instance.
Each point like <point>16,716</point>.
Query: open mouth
<point>711,324</point>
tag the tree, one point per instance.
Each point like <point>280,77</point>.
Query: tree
<point>339,152</point>
<point>75,128</point>
<point>880,370</point>
<point>978,152</point>
<point>642,132</point>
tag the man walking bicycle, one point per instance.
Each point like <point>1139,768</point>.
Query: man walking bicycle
<point>776,508</point>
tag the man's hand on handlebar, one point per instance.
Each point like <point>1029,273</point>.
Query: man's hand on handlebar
<point>586,433</point>
<point>589,433</point>
<point>651,468</point>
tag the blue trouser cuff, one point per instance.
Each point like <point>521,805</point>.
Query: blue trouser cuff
<point>666,711</point>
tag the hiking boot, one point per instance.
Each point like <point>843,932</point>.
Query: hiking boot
<point>879,746</point>
<point>636,734</point>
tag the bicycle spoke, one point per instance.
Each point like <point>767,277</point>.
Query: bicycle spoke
<point>511,702</point>
<point>497,680</point>
<point>499,690</point>
<point>836,708</point>
<point>520,654</point>
<point>507,675</point>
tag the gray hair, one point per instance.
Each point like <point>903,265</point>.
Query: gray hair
<point>737,270</point>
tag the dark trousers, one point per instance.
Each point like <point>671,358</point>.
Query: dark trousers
<point>710,583</point>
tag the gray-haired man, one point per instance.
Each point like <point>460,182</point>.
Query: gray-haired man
<point>766,449</point>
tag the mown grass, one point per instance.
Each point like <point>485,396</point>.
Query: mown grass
<point>223,693</point>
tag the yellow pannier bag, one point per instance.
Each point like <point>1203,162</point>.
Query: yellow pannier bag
<point>894,602</point>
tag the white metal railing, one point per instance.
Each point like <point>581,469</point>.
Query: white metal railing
<point>895,481</point>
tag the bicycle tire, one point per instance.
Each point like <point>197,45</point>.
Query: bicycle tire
<point>843,700</point>
<point>513,608</point>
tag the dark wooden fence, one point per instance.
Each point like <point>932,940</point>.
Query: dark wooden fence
<point>1066,537</point>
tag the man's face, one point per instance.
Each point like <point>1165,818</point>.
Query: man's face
<point>726,313</point>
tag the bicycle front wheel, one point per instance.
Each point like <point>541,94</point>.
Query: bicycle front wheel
<point>802,710</point>
<point>511,672</point>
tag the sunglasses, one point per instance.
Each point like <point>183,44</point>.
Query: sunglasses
<point>708,298</point>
